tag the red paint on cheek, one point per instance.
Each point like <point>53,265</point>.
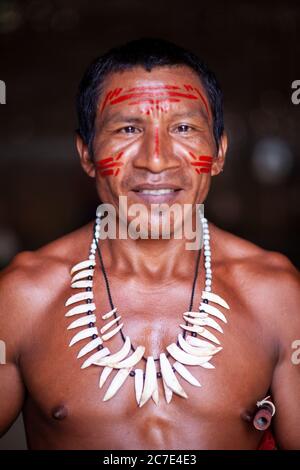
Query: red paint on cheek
<point>110,166</point>
<point>201,163</point>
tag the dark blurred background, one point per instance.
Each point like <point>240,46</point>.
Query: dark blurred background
<point>254,49</point>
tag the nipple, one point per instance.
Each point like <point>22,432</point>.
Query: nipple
<point>60,412</point>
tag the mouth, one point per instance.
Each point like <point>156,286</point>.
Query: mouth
<point>157,193</point>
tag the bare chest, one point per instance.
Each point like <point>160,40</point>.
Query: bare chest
<point>239,375</point>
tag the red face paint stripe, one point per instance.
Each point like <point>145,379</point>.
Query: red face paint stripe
<point>169,94</point>
<point>119,156</point>
<point>205,158</point>
<point>161,87</point>
<point>154,102</point>
<point>105,100</point>
<point>109,165</point>
<point>105,160</point>
<point>204,165</point>
<point>116,92</point>
<point>107,173</point>
<point>192,155</point>
<point>117,171</point>
<point>204,170</point>
<point>146,100</point>
<point>111,94</point>
<point>182,95</point>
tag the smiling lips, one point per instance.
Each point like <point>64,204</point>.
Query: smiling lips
<point>157,192</point>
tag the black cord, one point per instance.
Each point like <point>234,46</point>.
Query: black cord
<point>112,304</point>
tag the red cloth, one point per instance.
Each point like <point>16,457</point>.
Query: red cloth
<point>268,441</point>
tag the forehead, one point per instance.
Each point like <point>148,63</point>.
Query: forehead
<point>176,80</point>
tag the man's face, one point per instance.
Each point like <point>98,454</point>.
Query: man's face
<point>154,139</point>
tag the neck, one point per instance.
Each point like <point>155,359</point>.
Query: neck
<point>149,258</point>
<point>160,259</point>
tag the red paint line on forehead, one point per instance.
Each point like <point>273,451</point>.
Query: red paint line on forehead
<point>166,87</point>
<point>158,93</point>
<point>156,101</point>
<point>111,94</point>
<point>168,94</point>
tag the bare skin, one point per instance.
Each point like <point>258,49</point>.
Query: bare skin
<point>151,285</point>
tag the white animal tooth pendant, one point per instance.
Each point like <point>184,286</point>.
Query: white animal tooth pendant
<point>195,349</point>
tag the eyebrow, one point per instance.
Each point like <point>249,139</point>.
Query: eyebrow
<point>121,117</point>
<point>191,113</point>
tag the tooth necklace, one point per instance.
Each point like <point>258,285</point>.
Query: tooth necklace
<point>189,350</point>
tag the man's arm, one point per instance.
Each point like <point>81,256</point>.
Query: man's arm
<point>12,330</point>
<point>286,378</point>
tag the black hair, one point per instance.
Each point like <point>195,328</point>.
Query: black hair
<point>147,53</point>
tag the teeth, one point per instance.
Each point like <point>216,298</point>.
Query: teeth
<point>156,192</point>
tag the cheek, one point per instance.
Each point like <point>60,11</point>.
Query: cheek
<point>110,165</point>
<point>200,163</point>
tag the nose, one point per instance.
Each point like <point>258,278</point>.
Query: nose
<point>156,154</point>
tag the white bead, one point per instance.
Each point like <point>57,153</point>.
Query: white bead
<point>98,220</point>
<point>207,252</point>
<point>208,276</point>
<point>207,265</point>
<point>207,259</point>
<point>208,271</point>
<point>203,219</point>
<point>92,257</point>
<point>208,289</point>
<point>206,236</point>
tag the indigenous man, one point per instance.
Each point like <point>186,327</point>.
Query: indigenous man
<point>150,130</point>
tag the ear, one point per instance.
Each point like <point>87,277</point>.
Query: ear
<point>84,155</point>
<point>218,162</point>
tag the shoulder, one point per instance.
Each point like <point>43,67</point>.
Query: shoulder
<point>32,282</point>
<point>257,265</point>
<point>267,281</point>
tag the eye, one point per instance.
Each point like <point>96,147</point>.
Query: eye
<point>129,130</point>
<point>183,129</point>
